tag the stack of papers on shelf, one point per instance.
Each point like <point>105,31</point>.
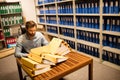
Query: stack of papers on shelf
<point>41,58</point>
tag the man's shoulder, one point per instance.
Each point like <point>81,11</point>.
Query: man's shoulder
<point>22,37</point>
<point>38,33</point>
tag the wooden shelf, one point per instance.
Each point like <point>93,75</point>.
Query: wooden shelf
<point>10,14</point>
<point>88,29</point>
<point>6,52</point>
<point>52,34</point>
<point>87,14</point>
<point>51,24</point>
<point>41,5</point>
<point>12,25</point>
<point>41,23</point>
<point>50,14</point>
<point>88,43</point>
<point>50,3</point>
<point>40,15</point>
<point>66,26</point>
<point>64,1</point>
<point>65,14</point>
<point>114,50</point>
<point>111,33</point>
<point>111,15</point>
<point>68,38</point>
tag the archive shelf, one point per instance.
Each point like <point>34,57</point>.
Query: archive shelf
<point>88,43</point>
<point>111,15</point>
<point>68,38</point>
<point>114,50</point>
<point>87,17</point>
<point>87,14</point>
<point>64,1</point>
<point>10,16</point>
<point>66,26</point>
<point>88,29</point>
<point>52,34</point>
<point>111,33</point>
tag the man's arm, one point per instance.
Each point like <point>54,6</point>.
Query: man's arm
<point>18,49</point>
<point>44,41</point>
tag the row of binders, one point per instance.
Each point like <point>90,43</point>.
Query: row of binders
<point>111,41</point>
<point>7,32</point>
<point>87,7</point>
<point>111,57</point>
<point>51,20</point>
<point>111,24</point>
<point>41,59</point>
<point>111,6</point>
<point>88,49</point>
<point>88,36</point>
<point>46,1</point>
<point>6,21</point>
<point>50,10</point>
<point>88,22</point>
<point>10,42</point>
<point>67,32</point>
<point>8,9</point>
<point>65,8</point>
<point>41,20</point>
<point>52,29</point>
<point>66,21</point>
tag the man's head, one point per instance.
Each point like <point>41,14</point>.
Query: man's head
<point>31,28</point>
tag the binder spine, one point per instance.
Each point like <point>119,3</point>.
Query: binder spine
<point>89,7</point>
<point>52,29</point>
<point>111,57</point>
<point>66,20</point>
<point>88,36</point>
<point>88,49</point>
<point>111,6</point>
<point>111,41</point>
<point>67,32</point>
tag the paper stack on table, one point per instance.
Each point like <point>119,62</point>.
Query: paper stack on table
<point>46,56</point>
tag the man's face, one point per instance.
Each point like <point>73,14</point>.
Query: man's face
<point>31,31</point>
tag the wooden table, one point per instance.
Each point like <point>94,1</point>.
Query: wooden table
<point>74,62</point>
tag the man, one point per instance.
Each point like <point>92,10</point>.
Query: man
<point>31,39</point>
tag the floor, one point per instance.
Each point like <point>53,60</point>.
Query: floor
<point>8,71</point>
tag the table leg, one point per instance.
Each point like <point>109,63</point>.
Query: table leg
<point>20,71</point>
<point>90,73</point>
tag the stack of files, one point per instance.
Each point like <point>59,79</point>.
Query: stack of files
<point>33,68</point>
<point>51,54</point>
<point>40,59</point>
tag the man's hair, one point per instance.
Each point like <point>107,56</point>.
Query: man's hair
<point>30,24</point>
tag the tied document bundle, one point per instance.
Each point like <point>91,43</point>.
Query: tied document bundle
<point>40,59</point>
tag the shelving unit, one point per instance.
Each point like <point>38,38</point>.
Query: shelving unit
<point>93,26</point>
<point>10,18</point>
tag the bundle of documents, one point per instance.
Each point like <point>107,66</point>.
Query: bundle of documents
<point>33,68</point>
<point>41,58</point>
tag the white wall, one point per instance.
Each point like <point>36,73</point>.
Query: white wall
<point>28,8</point>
